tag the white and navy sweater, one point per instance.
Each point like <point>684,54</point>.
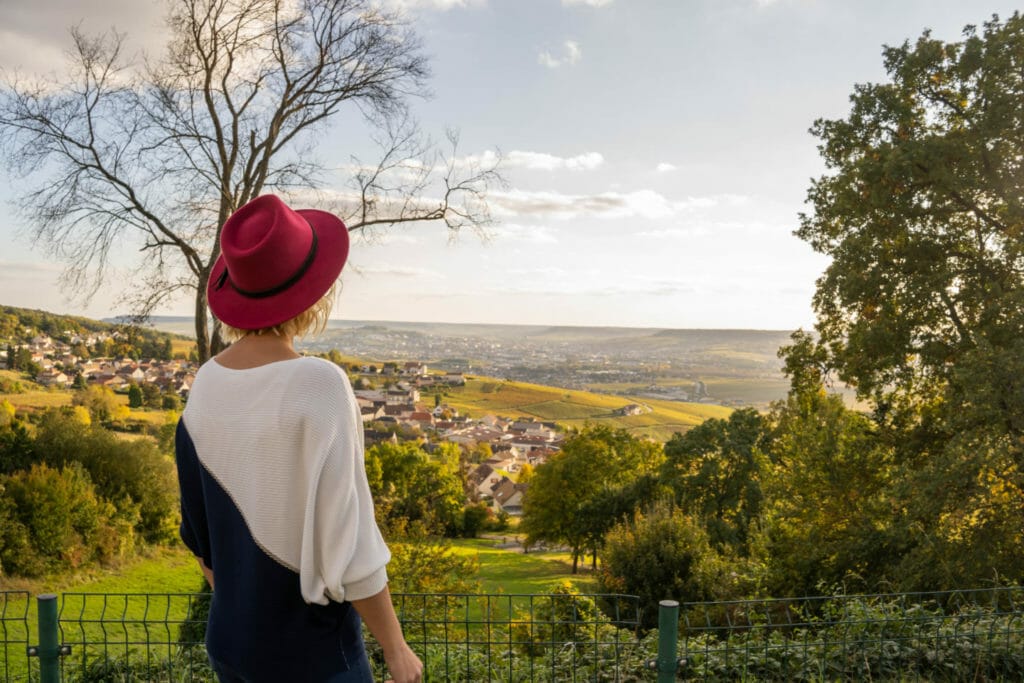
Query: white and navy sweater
<point>274,499</point>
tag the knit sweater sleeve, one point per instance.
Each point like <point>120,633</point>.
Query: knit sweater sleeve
<point>344,556</point>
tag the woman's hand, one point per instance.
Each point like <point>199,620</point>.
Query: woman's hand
<point>403,665</point>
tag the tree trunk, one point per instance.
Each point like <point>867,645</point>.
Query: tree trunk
<point>202,329</point>
<point>575,560</point>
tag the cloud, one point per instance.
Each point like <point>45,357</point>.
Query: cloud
<point>574,287</point>
<point>570,56</point>
<point>435,5</point>
<point>528,234</point>
<point>641,203</point>
<point>673,233</point>
<point>22,269</point>
<point>734,229</point>
<point>398,271</point>
<point>588,3</point>
<point>665,167</point>
<point>550,162</point>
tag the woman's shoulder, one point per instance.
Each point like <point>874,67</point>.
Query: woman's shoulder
<point>321,372</point>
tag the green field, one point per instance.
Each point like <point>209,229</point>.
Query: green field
<point>570,408</point>
<point>505,571</point>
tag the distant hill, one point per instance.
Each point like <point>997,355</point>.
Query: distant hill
<point>733,367</point>
<point>657,419</point>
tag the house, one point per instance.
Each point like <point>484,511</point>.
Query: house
<point>49,378</point>
<point>455,379</point>
<point>481,481</point>
<point>414,369</point>
<point>508,496</point>
<point>630,409</point>
<point>422,418</point>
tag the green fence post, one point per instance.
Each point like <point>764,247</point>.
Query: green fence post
<point>668,637</point>
<point>48,649</point>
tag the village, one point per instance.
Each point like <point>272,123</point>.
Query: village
<point>395,409</point>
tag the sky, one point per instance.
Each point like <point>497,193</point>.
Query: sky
<point>657,153</point>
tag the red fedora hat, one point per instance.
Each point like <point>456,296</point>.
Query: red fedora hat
<point>275,262</point>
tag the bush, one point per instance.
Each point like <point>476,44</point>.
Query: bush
<point>66,523</point>
<point>134,475</point>
<point>663,554</point>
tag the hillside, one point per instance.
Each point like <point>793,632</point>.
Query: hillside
<point>659,420</point>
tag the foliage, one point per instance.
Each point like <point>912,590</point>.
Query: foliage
<point>475,517</point>
<point>409,485</point>
<point>134,475</point>
<point>426,564</point>
<point>16,452</point>
<point>920,310</point>
<point>55,520</point>
<point>570,498</point>
<point>881,639</point>
<point>134,396</point>
<point>716,470</point>
<point>192,632</point>
<point>662,554</point>
<point>100,401</point>
<point>564,616</point>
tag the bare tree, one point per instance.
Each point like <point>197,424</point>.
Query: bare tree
<point>159,155</point>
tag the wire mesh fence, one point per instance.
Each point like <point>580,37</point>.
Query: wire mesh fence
<point>134,637</point>
<point>14,636</point>
<point>499,637</point>
<point>965,635</point>
<point>468,637</point>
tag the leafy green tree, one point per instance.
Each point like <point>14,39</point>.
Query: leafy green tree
<point>66,523</point>
<point>22,360</point>
<point>152,397</point>
<point>715,470</point>
<point>422,563</point>
<point>831,515</point>
<point>571,497</point>
<point>920,216</point>
<point>661,554</point>
<point>134,396</point>
<point>134,475</point>
<point>100,401</point>
<point>414,487</point>
<point>922,304</point>
<point>474,518</point>
<point>16,450</point>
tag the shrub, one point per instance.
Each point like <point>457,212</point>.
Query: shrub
<point>661,554</point>
<point>67,524</point>
<point>134,475</point>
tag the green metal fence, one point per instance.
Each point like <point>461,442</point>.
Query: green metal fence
<point>965,635</point>
<point>969,635</point>
<point>14,635</point>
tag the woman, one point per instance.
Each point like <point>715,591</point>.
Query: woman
<point>274,498</point>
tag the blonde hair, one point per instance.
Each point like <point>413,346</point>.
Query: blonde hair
<point>313,320</point>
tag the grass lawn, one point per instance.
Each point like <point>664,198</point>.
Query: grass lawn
<point>95,608</point>
<point>37,399</point>
<point>505,571</point>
